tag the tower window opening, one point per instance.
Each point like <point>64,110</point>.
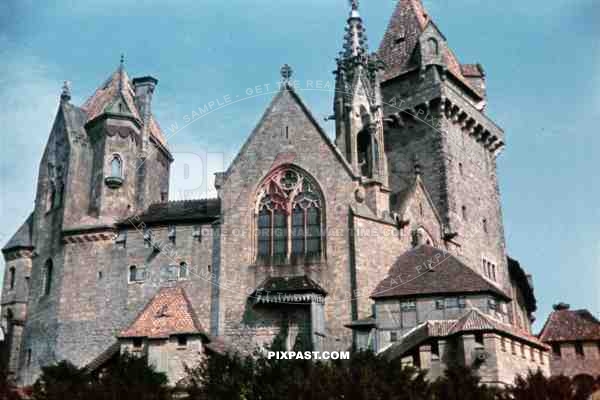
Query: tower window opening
<point>12,277</point>
<point>364,150</point>
<point>116,167</point>
<point>48,277</point>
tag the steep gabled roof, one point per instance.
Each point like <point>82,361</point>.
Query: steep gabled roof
<point>22,237</point>
<point>404,197</point>
<point>564,325</point>
<point>168,313</point>
<point>118,87</point>
<point>400,41</point>
<point>178,211</point>
<point>288,90</point>
<point>426,271</point>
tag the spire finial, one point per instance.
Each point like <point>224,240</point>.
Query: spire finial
<point>65,95</point>
<point>354,4</point>
<point>122,62</point>
<point>286,73</point>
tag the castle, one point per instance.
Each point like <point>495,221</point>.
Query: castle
<point>390,238</point>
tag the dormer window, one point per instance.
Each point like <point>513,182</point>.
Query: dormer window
<point>115,179</point>
<point>433,46</point>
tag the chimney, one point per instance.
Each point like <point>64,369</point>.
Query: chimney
<point>144,88</point>
<point>561,306</point>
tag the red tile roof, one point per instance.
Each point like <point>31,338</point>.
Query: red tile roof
<point>168,313</point>
<point>565,325</point>
<point>474,320</point>
<point>472,70</point>
<point>425,271</point>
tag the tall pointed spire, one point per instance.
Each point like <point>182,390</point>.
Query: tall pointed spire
<point>121,72</point>
<point>355,40</point>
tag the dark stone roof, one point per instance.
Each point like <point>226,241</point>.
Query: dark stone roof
<point>103,358</point>
<point>564,325</point>
<point>290,284</point>
<point>178,211</point>
<point>425,271</point>
<point>523,282</point>
<point>22,238</point>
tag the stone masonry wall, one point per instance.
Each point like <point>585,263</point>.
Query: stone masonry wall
<point>570,363</point>
<point>303,146</point>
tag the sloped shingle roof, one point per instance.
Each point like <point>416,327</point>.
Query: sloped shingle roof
<point>425,271</point>
<point>22,237</point>
<point>570,325</point>
<point>400,41</point>
<point>168,313</point>
<point>119,84</point>
<point>291,284</point>
<point>179,211</point>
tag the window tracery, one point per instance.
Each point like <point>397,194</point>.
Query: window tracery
<point>289,218</point>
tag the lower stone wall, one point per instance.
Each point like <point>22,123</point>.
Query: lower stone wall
<point>569,363</point>
<point>263,323</point>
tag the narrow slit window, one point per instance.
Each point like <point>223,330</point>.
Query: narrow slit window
<point>48,277</point>
<point>12,277</point>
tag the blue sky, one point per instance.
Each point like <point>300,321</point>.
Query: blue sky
<point>542,60</point>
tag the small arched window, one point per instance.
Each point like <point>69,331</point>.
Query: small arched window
<point>132,273</point>
<point>433,46</point>
<point>12,277</point>
<point>183,270</point>
<point>464,213</point>
<point>289,218</point>
<point>485,225</point>
<point>48,270</point>
<point>116,167</point>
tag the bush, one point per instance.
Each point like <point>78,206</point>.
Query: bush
<point>128,377</point>
<point>364,376</point>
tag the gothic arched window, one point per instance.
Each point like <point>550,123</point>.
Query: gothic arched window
<point>289,218</point>
<point>116,167</point>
